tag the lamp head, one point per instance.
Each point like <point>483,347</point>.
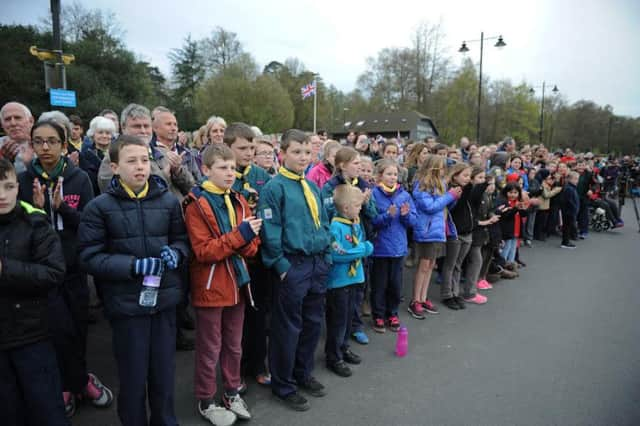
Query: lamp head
<point>500,43</point>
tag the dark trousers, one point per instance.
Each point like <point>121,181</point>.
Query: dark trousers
<point>386,286</point>
<point>553,219</point>
<point>540,227</point>
<point>297,312</point>
<point>339,308</point>
<point>583,216</point>
<point>30,386</point>
<point>144,348</point>
<point>256,321</point>
<point>569,231</point>
<point>68,312</point>
<point>357,324</point>
<point>487,257</point>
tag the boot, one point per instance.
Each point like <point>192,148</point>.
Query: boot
<point>505,273</point>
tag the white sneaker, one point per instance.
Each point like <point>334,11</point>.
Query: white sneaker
<point>218,416</point>
<point>237,405</point>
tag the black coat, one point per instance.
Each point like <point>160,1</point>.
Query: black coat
<point>116,230</point>
<point>32,265</point>
<point>77,192</point>
<point>462,212</point>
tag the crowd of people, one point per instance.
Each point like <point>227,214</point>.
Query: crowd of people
<point>266,240</point>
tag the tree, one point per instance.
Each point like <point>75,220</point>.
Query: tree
<point>188,72</point>
<point>220,50</point>
<point>262,102</point>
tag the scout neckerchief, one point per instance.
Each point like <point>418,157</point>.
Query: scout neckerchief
<point>308,194</point>
<point>387,189</point>
<point>353,238</point>
<point>131,193</point>
<point>50,179</point>
<point>243,177</point>
<point>226,223</point>
<point>76,144</point>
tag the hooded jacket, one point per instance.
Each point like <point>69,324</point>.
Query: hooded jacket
<point>391,232</point>
<point>213,280</point>
<point>115,230</point>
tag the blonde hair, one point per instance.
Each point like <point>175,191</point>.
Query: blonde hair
<point>429,174</point>
<point>384,164</point>
<point>329,146</point>
<point>345,195</point>
<point>414,154</point>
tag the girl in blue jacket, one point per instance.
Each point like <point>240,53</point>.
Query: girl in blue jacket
<point>396,214</point>
<point>433,226</point>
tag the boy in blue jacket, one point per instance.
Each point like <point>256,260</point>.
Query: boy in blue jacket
<point>348,250</point>
<point>570,209</point>
<point>132,239</point>
<point>296,245</point>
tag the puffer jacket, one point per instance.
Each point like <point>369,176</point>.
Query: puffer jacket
<point>430,220</point>
<point>115,230</point>
<point>32,266</point>
<point>391,238</point>
<point>320,174</point>
<point>213,279</point>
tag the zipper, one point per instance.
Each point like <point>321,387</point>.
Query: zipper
<point>50,193</point>
<point>144,240</point>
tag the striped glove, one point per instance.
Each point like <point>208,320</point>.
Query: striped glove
<point>148,266</point>
<point>170,257</point>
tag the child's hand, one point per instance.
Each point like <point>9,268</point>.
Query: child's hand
<point>367,195</point>
<point>392,210</point>
<point>255,224</point>
<point>170,257</point>
<point>456,191</point>
<point>38,193</point>
<point>57,194</point>
<point>148,266</point>
<point>404,209</point>
<point>494,219</point>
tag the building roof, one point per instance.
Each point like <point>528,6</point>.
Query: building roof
<point>385,122</point>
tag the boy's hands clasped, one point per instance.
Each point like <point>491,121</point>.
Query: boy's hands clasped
<point>169,258</point>
<point>254,223</point>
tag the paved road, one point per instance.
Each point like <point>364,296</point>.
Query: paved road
<point>560,345</point>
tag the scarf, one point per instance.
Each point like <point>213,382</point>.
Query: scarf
<point>76,144</point>
<point>52,177</point>
<point>312,203</point>
<point>388,190</point>
<point>243,176</point>
<point>226,223</point>
<point>353,266</point>
<point>516,219</point>
<point>140,195</point>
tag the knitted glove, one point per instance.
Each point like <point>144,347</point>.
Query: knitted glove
<point>148,266</point>
<point>170,257</point>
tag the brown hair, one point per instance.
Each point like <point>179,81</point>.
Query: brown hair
<point>293,135</point>
<point>237,131</point>
<point>344,155</point>
<point>215,152</point>
<point>383,164</point>
<point>455,170</point>
<point>121,142</point>
<point>429,174</point>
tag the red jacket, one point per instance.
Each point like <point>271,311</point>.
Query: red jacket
<point>213,281</point>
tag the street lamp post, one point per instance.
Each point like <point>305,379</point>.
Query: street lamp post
<point>464,49</point>
<point>554,90</point>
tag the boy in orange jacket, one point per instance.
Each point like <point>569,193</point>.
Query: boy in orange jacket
<point>223,232</point>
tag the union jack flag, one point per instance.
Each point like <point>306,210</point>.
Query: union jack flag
<point>308,90</point>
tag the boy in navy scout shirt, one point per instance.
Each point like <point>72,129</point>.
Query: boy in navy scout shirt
<point>249,182</point>
<point>296,244</point>
<point>348,250</point>
<point>132,239</point>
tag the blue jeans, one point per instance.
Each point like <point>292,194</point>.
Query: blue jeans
<point>30,386</point>
<point>509,249</point>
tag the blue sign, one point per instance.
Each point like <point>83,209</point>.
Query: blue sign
<point>62,98</point>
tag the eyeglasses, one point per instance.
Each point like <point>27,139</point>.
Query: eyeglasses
<point>50,141</point>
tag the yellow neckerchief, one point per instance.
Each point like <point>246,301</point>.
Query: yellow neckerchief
<point>308,194</point>
<point>353,266</point>
<point>243,175</point>
<point>226,193</point>
<point>353,181</point>
<point>132,194</point>
<point>387,189</point>
<point>76,144</point>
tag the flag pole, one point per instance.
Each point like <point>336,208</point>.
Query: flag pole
<point>315,104</point>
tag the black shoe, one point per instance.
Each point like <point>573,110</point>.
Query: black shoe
<point>460,301</point>
<point>351,358</point>
<point>183,343</point>
<point>568,246</point>
<point>340,368</point>
<point>313,387</point>
<point>185,320</point>
<point>451,303</point>
<point>295,401</point>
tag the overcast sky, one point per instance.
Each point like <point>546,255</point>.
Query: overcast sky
<point>589,48</point>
